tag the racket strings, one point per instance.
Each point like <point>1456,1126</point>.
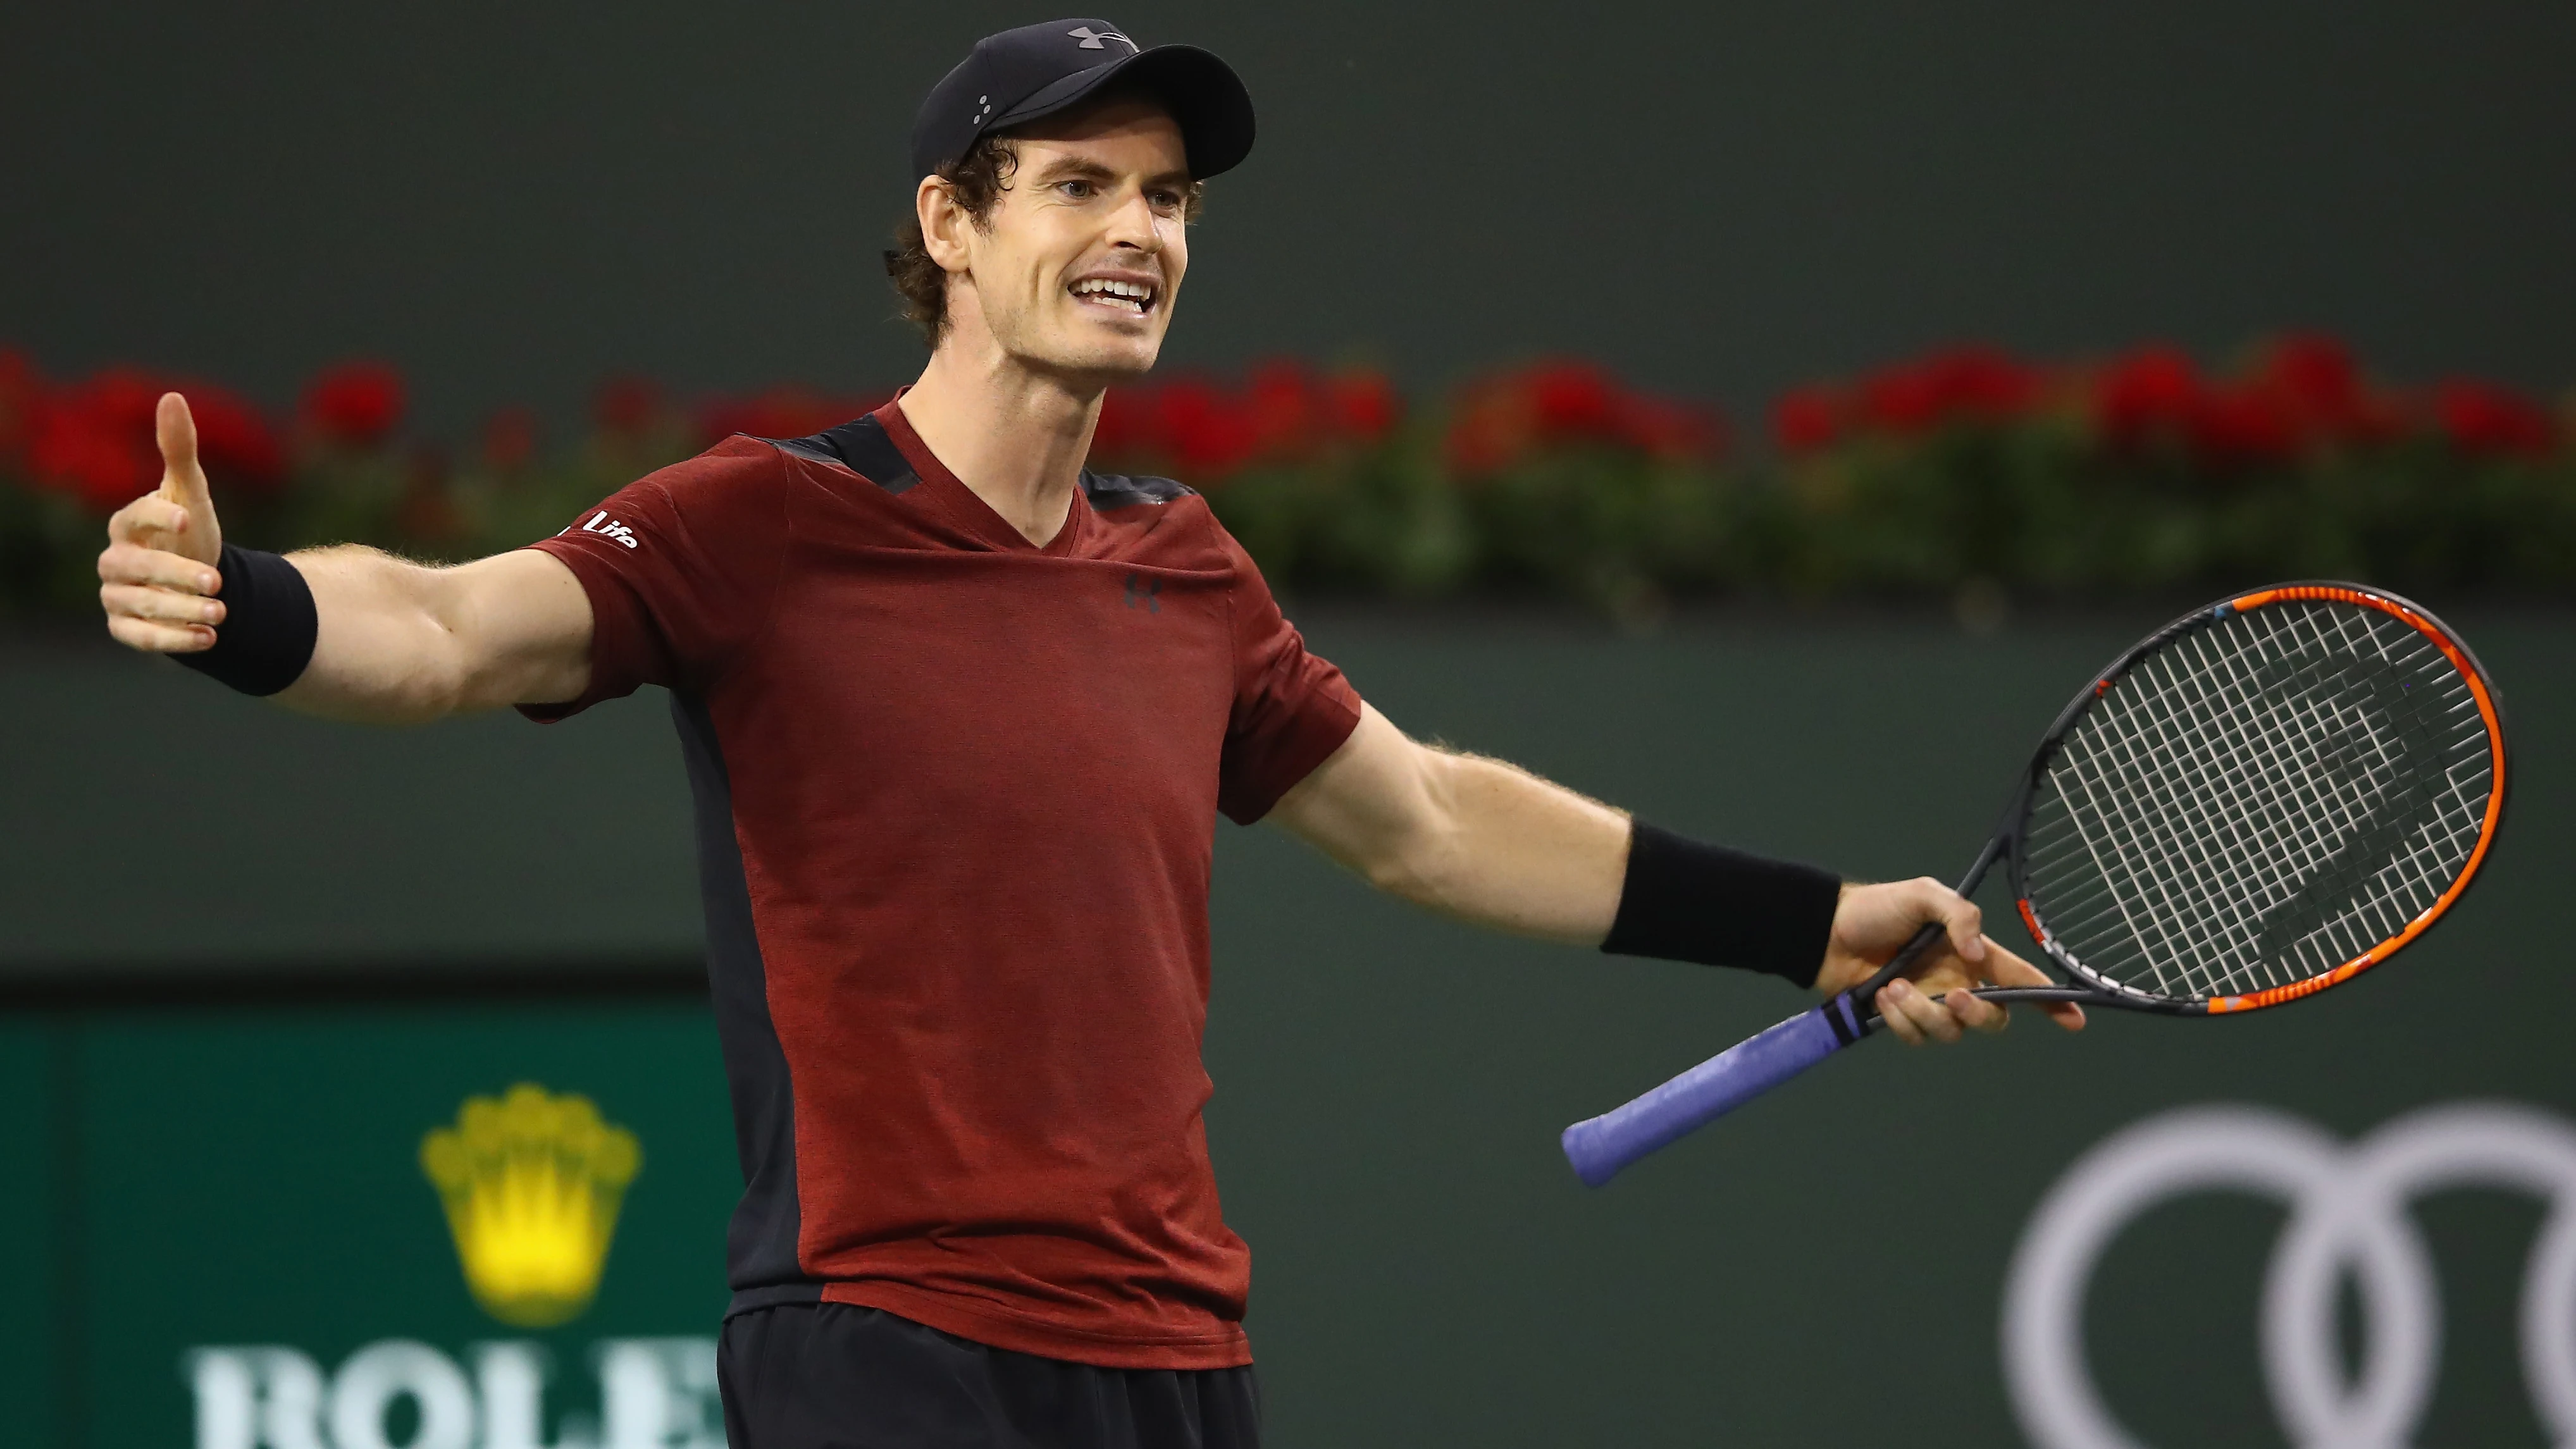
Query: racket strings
<point>2310,826</point>
<point>2259,802</point>
<point>2316,817</point>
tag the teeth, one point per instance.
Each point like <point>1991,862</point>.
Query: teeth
<point>1137,294</point>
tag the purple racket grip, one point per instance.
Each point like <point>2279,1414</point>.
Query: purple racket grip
<point>1600,1146</point>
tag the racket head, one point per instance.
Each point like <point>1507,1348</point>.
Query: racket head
<point>2264,798</point>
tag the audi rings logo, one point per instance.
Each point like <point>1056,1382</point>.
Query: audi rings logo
<point>2349,1214</point>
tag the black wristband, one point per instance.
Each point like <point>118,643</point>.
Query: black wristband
<point>267,634</point>
<point>1685,901</point>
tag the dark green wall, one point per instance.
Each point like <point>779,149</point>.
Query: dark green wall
<point>311,843</point>
<point>515,200</point>
<point>1823,1269</point>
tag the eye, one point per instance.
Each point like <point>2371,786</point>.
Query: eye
<point>1164,198</point>
<point>1077,189</point>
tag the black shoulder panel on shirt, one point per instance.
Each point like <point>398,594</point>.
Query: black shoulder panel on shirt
<point>862,447</point>
<point>1109,490</point>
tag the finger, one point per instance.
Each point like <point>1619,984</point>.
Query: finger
<point>1928,1017</point>
<point>2006,969</point>
<point>145,516</point>
<point>1926,1013</point>
<point>130,563</point>
<point>182,481</point>
<point>1975,1012</point>
<point>1898,1023</point>
<point>1959,917</point>
<point>155,638</point>
<point>135,602</point>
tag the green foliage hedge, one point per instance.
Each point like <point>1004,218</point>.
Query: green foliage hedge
<point>1965,472</point>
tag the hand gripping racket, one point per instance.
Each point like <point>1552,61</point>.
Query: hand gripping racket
<point>2260,800</point>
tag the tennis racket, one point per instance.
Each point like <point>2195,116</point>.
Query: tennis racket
<point>2262,799</point>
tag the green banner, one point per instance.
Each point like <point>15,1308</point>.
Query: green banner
<point>262,1256</point>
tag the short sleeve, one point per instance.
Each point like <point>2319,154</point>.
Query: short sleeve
<point>1292,709</point>
<point>681,567</point>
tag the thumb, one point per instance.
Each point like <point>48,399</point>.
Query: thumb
<point>182,481</point>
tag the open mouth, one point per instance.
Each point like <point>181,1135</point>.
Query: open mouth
<point>1134,299</point>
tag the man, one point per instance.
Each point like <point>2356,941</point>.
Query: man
<point>958,717</point>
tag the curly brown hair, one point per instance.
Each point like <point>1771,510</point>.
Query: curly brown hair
<point>977,180</point>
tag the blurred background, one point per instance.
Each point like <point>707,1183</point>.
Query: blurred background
<point>1762,417</point>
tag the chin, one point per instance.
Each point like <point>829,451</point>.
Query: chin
<point>1112,362</point>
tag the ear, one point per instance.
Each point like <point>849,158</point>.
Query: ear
<point>944,224</point>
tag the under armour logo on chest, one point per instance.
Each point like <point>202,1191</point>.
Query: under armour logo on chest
<point>1091,39</point>
<point>1141,589</point>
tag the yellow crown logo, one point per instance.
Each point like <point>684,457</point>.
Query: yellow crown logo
<point>532,1184</point>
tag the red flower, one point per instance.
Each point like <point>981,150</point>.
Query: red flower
<point>2315,373</point>
<point>1670,429</point>
<point>2314,381</point>
<point>509,440</point>
<point>1490,427</point>
<point>94,442</point>
<point>22,393</point>
<point>2483,420</point>
<point>1285,405</point>
<point>1573,401</point>
<point>356,403</point>
<point>2153,391</point>
<point>1125,423</point>
<point>1806,419</point>
<point>1284,411</point>
<point>1963,384</point>
<point>1899,400</point>
<point>1498,420</point>
<point>97,440</point>
<point>235,443</point>
<point>1982,384</point>
<point>630,406</point>
<point>1362,405</point>
<point>2244,424</point>
<point>781,412</point>
<point>1202,430</point>
<point>626,406</point>
<point>99,466</point>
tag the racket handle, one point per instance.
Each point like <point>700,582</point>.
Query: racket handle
<point>1600,1146</point>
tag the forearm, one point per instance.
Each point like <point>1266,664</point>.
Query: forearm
<point>1505,849</point>
<point>399,642</point>
<point>1486,842</point>
<point>1473,838</point>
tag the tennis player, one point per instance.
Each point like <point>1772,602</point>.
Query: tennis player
<point>959,717</point>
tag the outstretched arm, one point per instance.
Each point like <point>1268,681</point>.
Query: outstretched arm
<point>1474,838</point>
<point>1490,843</point>
<point>393,642</point>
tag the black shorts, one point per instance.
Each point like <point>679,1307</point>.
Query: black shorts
<point>831,1376</point>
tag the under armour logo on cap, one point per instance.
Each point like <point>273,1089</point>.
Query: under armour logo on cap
<point>1091,38</point>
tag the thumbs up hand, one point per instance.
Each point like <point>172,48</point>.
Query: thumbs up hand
<point>157,577</point>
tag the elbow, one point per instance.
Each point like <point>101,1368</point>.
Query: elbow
<point>1422,859</point>
<point>1421,867</point>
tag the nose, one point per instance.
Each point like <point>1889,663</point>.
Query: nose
<point>1134,224</point>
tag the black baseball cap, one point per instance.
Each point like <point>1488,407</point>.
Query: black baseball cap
<point>1038,70</point>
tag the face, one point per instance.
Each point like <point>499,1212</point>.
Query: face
<point>1077,266</point>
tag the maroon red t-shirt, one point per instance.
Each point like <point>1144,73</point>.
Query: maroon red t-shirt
<point>956,801</point>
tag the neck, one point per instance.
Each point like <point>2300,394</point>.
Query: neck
<point>1016,437</point>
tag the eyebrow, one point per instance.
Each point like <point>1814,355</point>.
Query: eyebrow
<point>1069,167</point>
